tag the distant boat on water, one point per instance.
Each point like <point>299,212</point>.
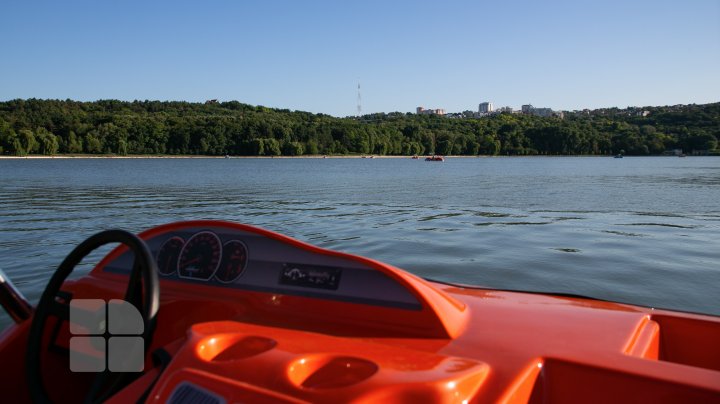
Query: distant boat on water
<point>435,158</point>
<point>618,156</point>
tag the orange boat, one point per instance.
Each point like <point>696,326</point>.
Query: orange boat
<point>435,158</point>
<point>225,312</point>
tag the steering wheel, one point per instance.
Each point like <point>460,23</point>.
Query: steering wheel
<point>145,297</point>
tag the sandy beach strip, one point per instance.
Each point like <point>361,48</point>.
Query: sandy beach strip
<point>167,156</point>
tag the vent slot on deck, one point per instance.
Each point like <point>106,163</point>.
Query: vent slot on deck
<point>188,393</point>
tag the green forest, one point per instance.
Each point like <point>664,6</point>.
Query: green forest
<point>111,127</point>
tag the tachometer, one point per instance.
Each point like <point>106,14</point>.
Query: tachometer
<point>200,257</point>
<point>168,254</point>
<point>234,261</point>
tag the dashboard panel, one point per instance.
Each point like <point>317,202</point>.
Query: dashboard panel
<point>243,260</point>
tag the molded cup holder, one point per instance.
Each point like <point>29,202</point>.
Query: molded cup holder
<point>226,348</point>
<point>328,372</point>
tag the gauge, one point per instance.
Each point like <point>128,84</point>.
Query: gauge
<point>234,261</point>
<point>167,256</point>
<point>200,257</point>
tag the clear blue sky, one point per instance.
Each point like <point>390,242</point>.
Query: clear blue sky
<point>310,55</point>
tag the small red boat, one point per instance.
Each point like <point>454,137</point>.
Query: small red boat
<point>435,158</point>
<point>215,312</point>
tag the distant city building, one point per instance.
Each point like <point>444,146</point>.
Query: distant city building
<point>542,112</point>
<point>508,110</point>
<point>485,107</point>
<point>423,111</point>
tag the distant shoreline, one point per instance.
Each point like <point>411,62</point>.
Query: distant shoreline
<point>167,156</point>
<point>151,156</point>
<point>113,128</point>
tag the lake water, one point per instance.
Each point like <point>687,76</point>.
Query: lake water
<point>638,230</point>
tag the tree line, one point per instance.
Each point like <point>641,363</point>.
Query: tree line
<point>114,127</point>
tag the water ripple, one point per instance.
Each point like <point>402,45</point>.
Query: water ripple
<point>677,226</point>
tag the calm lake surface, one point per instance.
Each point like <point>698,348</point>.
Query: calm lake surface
<point>637,230</point>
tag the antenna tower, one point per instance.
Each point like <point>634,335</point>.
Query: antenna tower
<point>359,101</point>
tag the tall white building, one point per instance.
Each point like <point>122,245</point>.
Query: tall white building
<point>485,107</point>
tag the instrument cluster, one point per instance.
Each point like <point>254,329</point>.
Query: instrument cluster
<point>203,256</point>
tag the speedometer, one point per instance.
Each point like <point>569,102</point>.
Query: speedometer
<point>234,261</point>
<point>167,256</point>
<point>200,257</point>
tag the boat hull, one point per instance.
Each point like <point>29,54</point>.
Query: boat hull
<point>378,334</point>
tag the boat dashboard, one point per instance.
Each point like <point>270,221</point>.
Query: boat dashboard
<point>245,261</point>
<point>286,278</point>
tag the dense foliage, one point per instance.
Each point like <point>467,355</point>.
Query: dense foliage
<point>153,127</point>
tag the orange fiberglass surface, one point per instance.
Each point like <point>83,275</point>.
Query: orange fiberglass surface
<point>233,313</point>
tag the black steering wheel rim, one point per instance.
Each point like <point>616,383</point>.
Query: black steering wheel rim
<point>144,267</point>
